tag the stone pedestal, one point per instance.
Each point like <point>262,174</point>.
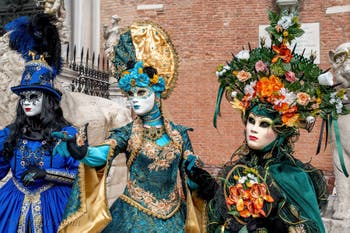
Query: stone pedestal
<point>334,225</point>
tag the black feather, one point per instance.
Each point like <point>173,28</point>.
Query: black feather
<point>38,34</point>
<point>47,39</point>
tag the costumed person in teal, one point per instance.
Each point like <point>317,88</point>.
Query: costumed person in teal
<point>264,188</point>
<point>156,149</point>
<point>33,200</point>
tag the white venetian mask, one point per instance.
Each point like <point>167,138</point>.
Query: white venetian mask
<point>259,132</point>
<point>31,102</point>
<point>142,100</point>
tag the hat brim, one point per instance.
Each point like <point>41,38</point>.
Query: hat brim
<point>56,93</point>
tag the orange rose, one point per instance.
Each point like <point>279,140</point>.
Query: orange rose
<point>243,75</point>
<point>303,98</point>
<point>290,119</point>
<point>269,88</point>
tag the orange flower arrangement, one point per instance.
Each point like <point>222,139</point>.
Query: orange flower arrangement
<point>247,196</point>
<point>268,88</point>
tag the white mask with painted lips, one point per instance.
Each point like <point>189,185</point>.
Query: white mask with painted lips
<point>31,102</point>
<point>259,132</point>
<point>142,100</point>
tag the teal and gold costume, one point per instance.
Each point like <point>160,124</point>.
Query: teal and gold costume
<point>151,201</point>
<point>157,151</point>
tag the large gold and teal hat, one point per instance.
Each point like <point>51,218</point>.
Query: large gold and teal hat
<point>146,44</point>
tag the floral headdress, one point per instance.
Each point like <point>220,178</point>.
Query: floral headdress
<point>293,85</point>
<point>288,83</point>
<point>137,77</point>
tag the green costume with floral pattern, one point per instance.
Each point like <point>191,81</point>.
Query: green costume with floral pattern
<point>265,189</point>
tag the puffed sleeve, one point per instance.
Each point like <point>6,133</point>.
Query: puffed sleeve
<point>190,158</point>
<point>4,164</point>
<point>121,136</point>
<point>97,155</point>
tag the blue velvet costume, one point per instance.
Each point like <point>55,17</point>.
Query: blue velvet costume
<point>42,203</point>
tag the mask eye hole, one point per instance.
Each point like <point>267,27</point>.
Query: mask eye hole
<point>141,92</point>
<point>251,120</point>
<point>33,97</point>
<point>265,124</point>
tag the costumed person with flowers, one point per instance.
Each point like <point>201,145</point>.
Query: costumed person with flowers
<point>33,200</point>
<point>157,150</point>
<point>264,188</point>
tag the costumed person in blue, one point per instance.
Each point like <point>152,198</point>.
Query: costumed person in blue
<point>33,200</point>
<point>157,150</point>
<point>264,188</point>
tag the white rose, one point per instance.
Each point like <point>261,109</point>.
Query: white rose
<point>233,94</point>
<point>226,67</point>
<point>242,179</point>
<point>326,79</point>
<point>243,55</point>
<point>285,21</point>
<point>310,119</point>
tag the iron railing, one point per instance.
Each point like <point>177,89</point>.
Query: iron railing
<point>93,75</point>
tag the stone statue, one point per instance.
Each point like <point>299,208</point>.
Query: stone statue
<point>57,8</point>
<point>111,36</point>
<point>340,60</point>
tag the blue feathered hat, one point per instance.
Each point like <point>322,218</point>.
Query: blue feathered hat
<point>37,39</point>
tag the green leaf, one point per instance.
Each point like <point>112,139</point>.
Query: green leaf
<point>233,212</point>
<point>273,17</point>
<point>286,66</point>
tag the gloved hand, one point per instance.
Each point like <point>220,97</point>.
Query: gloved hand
<point>61,145</point>
<point>256,225</point>
<point>32,174</point>
<point>207,185</point>
<point>76,146</point>
<point>270,225</point>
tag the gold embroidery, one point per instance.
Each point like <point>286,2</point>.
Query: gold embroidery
<point>163,208</point>
<point>136,139</point>
<point>162,157</point>
<point>31,202</point>
<point>297,229</point>
<point>153,133</point>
